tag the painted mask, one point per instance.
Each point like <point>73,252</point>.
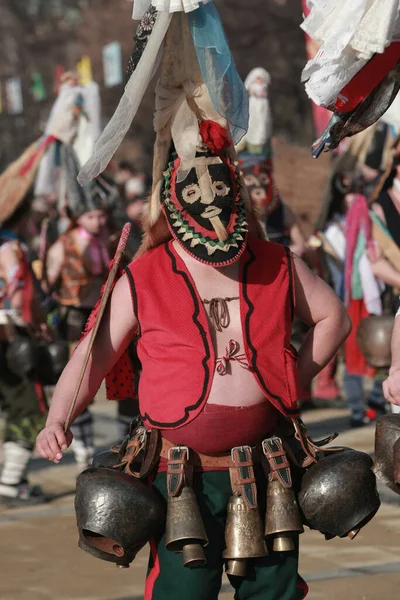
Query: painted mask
<point>258,177</point>
<point>205,212</point>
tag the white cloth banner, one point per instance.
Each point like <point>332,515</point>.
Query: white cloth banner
<point>118,126</point>
<point>349,33</point>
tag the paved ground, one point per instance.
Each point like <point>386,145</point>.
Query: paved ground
<point>40,559</point>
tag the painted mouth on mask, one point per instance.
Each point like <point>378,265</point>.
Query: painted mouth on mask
<point>211,211</point>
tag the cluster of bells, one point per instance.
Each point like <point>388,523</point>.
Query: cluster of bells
<point>117,514</point>
<point>244,532</point>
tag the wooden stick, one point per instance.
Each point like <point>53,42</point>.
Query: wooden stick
<point>93,333</point>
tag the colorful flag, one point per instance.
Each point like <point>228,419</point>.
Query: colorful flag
<point>15,103</point>
<point>112,64</point>
<point>84,68</point>
<point>37,87</point>
<point>321,116</point>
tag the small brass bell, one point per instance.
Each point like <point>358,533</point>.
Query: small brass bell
<point>283,519</point>
<point>185,530</point>
<point>243,536</point>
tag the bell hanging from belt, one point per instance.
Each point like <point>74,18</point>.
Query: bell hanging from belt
<point>243,536</point>
<point>184,530</point>
<point>282,520</point>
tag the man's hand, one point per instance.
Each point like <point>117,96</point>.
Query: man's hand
<point>52,440</point>
<point>391,387</point>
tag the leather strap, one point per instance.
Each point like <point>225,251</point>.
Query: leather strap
<point>176,472</point>
<point>132,450</point>
<point>200,461</point>
<point>243,480</point>
<point>279,467</point>
<point>151,452</point>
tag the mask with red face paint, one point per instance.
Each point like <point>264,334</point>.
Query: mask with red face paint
<point>205,212</point>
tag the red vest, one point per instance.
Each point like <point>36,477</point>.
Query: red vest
<point>174,343</point>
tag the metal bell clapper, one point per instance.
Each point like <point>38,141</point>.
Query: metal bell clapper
<point>243,536</point>
<point>283,520</point>
<point>185,530</point>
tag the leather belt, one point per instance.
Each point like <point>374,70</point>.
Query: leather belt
<point>198,460</point>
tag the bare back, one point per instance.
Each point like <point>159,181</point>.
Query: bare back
<point>237,386</point>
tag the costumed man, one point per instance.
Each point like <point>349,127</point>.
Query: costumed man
<point>216,375</point>
<point>255,158</point>
<point>256,163</point>
<point>358,273</point>
<point>77,266</point>
<point>77,263</point>
<point>21,395</point>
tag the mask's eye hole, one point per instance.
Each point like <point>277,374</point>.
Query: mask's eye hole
<point>220,188</point>
<point>258,194</point>
<point>264,179</point>
<point>250,179</point>
<point>191,193</point>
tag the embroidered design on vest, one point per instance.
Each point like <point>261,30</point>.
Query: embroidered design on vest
<point>231,353</point>
<point>219,312</point>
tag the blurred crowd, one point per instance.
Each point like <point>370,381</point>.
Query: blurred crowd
<point>57,239</point>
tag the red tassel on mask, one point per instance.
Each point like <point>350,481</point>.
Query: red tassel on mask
<point>215,136</point>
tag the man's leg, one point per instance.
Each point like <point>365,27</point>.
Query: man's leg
<point>274,577</point>
<point>167,578</point>
<point>83,442</point>
<point>25,417</point>
<point>354,390</point>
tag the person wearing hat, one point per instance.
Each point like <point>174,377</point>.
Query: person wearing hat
<point>76,268</point>
<point>21,395</point>
<point>216,374</point>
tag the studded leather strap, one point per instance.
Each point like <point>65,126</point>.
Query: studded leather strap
<point>243,480</point>
<point>279,467</point>
<point>177,469</point>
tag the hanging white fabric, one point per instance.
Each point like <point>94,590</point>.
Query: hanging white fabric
<point>349,34</point>
<point>118,126</point>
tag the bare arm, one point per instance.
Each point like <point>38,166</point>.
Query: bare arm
<point>54,263</point>
<point>318,306</point>
<point>382,269</point>
<point>391,387</point>
<point>9,265</point>
<point>117,328</point>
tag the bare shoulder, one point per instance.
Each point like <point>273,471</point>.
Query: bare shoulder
<point>122,303</point>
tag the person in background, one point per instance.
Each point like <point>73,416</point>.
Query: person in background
<point>21,395</point>
<point>358,273</point>
<point>76,268</point>
<point>391,385</point>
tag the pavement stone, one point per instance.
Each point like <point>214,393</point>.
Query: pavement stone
<point>41,561</point>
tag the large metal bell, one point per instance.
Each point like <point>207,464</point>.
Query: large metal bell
<point>244,537</point>
<point>117,514</point>
<point>185,530</point>
<point>373,337</point>
<point>338,494</point>
<point>387,451</point>
<point>283,520</point>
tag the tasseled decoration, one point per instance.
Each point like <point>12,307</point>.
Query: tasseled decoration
<point>215,136</point>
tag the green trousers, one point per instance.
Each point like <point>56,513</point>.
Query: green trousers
<point>274,577</point>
